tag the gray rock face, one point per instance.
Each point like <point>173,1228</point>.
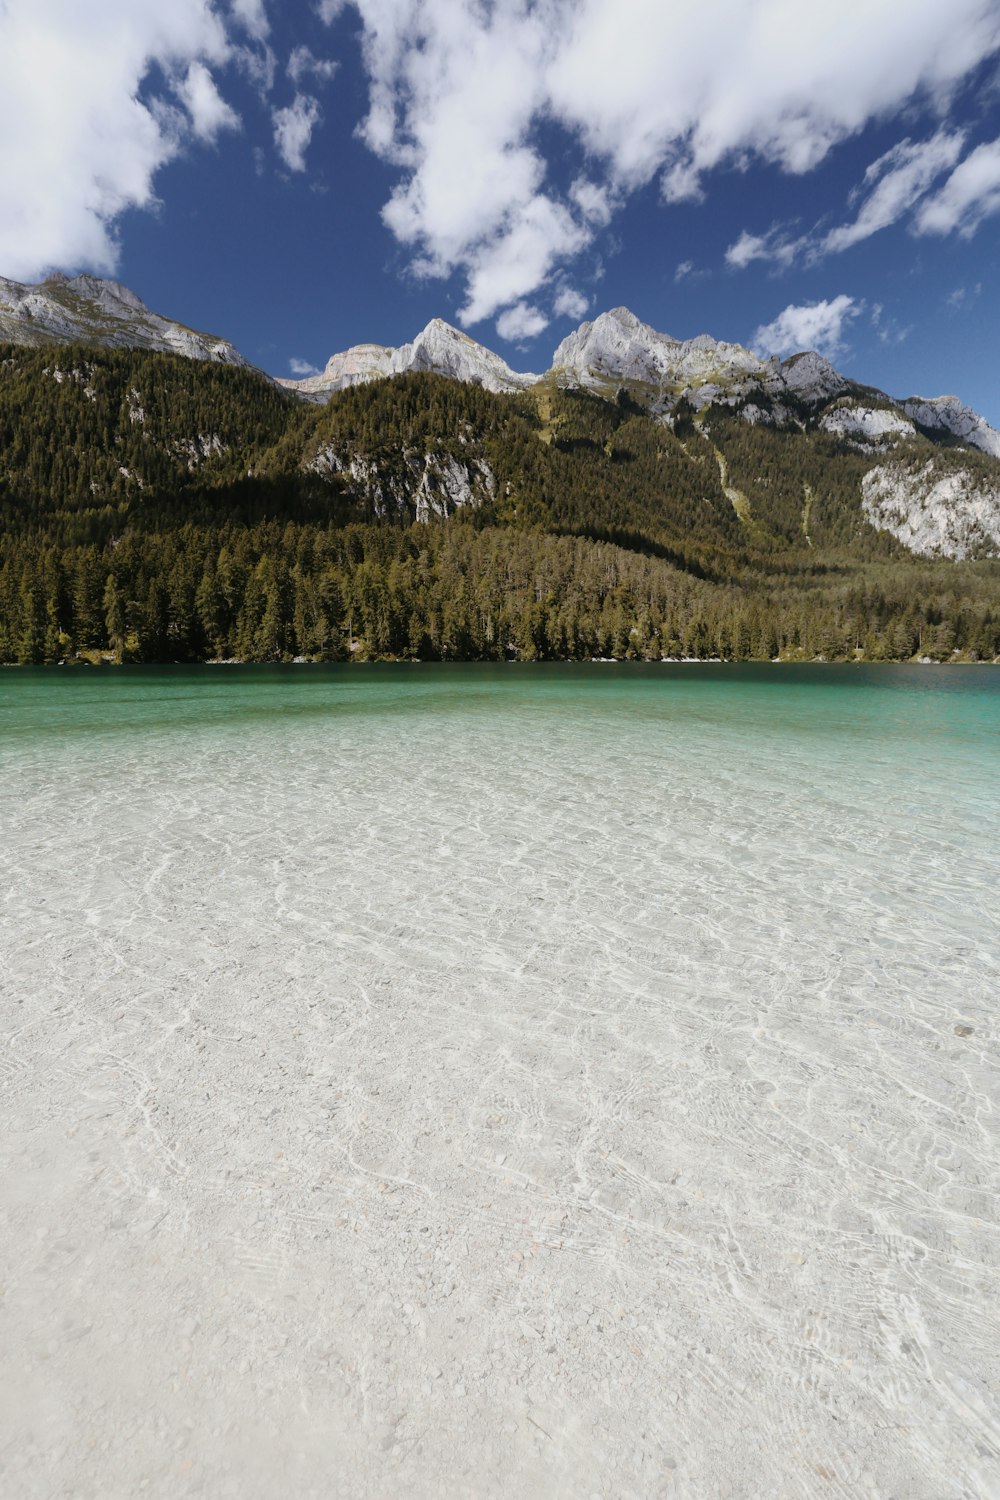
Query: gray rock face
<point>936,514</point>
<point>439,349</point>
<point>91,309</point>
<point>617,346</point>
<point>433,484</point>
<point>866,426</point>
<point>948,414</point>
<point>810,377</point>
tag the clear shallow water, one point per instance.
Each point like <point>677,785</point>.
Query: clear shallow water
<point>473,1080</point>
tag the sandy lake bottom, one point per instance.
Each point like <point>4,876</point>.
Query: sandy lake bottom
<point>522,1082</point>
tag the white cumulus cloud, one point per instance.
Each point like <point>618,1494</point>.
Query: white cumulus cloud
<point>681,183</point>
<point>643,89</point>
<point>521,322</point>
<point>78,141</point>
<point>593,201</point>
<point>777,246</point>
<point>252,16</point>
<point>569,303</point>
<point>521,258</point>
<point>971,194</point>
<point>259,63</point>
<point>892,186</point>
<point>302,63</point>
<point>301,367</point>
<point>817,325</point>
<point>896,181</point>
<point>293,129</point>
<point>208,110</point>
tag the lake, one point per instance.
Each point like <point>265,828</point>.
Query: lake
<point>501,1080</point>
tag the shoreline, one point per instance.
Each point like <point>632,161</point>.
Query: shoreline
<point>83,663</point>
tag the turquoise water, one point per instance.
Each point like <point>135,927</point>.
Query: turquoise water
<point>534,1076</point>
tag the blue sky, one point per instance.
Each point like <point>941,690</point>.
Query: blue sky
<point>300,177</point>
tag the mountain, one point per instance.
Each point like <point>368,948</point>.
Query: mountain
<point>616,350</point>
<point>949,415</point>
<point>162,499</point>
<point>617,347</point>
<point>93,310</point>
<point>159,509</point>
<point>932,506</point>
<point>439,349</point>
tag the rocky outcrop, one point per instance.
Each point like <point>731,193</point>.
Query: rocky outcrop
<point>93,310</point>
<point>77,376</point>
<point>809,377</point>
<point>948,414</point>
<point>865,426</point>
<point>446,485</point>
<point>195,451</point>
<point>949,514</point>
<point>439,349</point>
<point>428,485</point>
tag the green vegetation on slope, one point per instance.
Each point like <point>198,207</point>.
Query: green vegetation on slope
<point>155,508</point>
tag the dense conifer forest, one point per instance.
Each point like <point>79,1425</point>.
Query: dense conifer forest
<point>159,509</point>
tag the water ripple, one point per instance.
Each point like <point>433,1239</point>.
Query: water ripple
<point>586,1093</point>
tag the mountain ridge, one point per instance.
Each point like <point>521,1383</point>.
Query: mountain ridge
<point>613,349</point>
<point>617,349</point>
<point>437,349</point>
<point>159,509</point>
<point>95,309</point>
<point>934,504</point>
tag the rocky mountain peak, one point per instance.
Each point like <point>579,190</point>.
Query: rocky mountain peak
<point>950,415</point>
<point>625,319</point>
<point>105,293</point>
<point>438,326</point>
<point>438,349</point>
<point>615,345</point>
<point>96,310</point>
<point>811,377</point>
<point>618,347</point>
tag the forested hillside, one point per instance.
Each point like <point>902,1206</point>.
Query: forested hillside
<point>155,508</point>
